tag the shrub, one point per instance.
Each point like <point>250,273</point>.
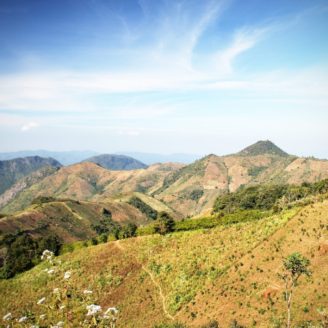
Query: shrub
<point>143,207</point>
<point>164,224</point>
<point>211,324</point>
<point>128,231</point>
<point>23,252</point>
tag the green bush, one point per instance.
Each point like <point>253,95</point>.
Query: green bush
<point>267,197</point>
<point>165,224</point>
<point>23,252</point>
<point>143,207</point>
<point>128,231</point>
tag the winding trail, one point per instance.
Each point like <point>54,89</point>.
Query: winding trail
<point>158,286</point>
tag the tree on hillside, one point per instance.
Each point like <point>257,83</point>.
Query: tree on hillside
<point>295,266</point>
<point>164,224</point>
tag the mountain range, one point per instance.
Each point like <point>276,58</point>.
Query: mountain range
<point>187,189</point>
<point>73,157</point>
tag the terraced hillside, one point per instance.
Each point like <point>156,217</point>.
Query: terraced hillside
<point>225,273</point>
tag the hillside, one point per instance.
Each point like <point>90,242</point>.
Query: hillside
<point>116,162</point>
<point>194,188</point>
<point>13,170</point>
<point>89,181</point>
<point>187,190</point>
<point>225,273</point>
<point>25,183</point>
<point>69,219</point>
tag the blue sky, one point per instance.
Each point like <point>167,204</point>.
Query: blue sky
<point>165,76</point>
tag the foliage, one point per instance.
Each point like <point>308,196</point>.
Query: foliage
<point>127,231</point>
<point>235,324</point>
<point>143,207</point>
<point>43,199</point>
<point>196,194</point>
<point>23,252</point>
<point>164,224</point>
<point>256,170</point>
<point>267,197</point>
<point>297,265</point>
<point>213,221</point>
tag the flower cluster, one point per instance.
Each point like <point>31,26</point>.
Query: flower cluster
<point>58,307</point>
<point>47,256</point>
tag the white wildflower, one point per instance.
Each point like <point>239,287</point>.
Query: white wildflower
<point>113,310</point>
<point>22,319</point>
<point>86,291</point>
<point>7,317</point>
<point>110,313</point>
<point>56,291</point>
<point>51,271</point>
<point>67,275</point>
<point>47,255</point>
<point>42,316</point>
<point>93,309</point>
<point>41,301</point>
<point>62,307</point>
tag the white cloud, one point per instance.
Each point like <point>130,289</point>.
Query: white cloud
<point>243,40</point>
<point>28,126</point>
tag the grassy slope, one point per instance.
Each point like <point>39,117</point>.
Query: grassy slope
<point>221,273</point>
<point>70,220</point>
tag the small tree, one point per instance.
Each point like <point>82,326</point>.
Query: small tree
<point>295,265</point>
<point>164,224</point>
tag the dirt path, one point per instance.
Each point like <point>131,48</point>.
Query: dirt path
<point>79,217</point>
<point>158,286</point>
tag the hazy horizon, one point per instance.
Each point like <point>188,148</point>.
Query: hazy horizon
<point>165,77</point>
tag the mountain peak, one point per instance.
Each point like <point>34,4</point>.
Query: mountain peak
<point>262,147</point>
<point>116,162</point>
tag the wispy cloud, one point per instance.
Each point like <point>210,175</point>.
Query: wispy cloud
<point>243,40</point>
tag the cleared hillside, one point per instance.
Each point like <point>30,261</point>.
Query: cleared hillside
<point>224,273</point>
<point>69,219</point>
<point>25,183</point>
<point>89,181</point>
<point>194,188</point>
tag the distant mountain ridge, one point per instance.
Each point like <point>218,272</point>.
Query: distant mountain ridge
<point>63,157</point>
<point>13,170</point>
<point>186,189</point>
<point>116,162</point>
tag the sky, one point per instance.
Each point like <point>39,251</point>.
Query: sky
<point>164,76</point>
